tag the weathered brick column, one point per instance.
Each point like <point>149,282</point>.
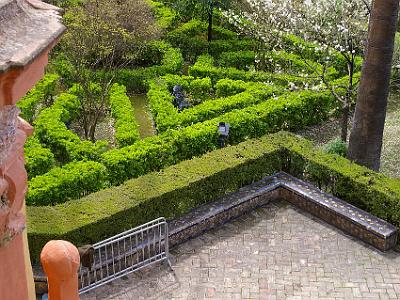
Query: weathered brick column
<point>28,30</point>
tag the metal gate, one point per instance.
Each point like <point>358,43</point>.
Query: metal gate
<point>125,253</point>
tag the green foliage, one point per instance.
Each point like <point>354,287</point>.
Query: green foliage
<point>336,146</point>
<point>291,111</point>
<point>182,187</point>
<point>204,68</point>
<point>72,181</point>
<point>201,88</point>
<point>38,159</point>
<point>52,131</point>
<point>166,17</point>
<point>136,80</point>
<point>42,93</point>
<point>191,38</point>
<point>242,60</point>
<point>126,127</point>
<point>167,116</point>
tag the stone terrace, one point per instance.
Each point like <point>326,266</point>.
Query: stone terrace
<point>275,252</point>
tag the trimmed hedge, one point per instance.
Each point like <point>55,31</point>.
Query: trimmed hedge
<point>74,180</point>
<point>51,130</point>
<point>178,189</point>
<point>167,116</point>
<point>136,80</point>
<point>191,38</point>
<point>43,91</point>
<point>204,67</point>
<point>126,127</point>
<point>291,111</point>
<point>38,159</point>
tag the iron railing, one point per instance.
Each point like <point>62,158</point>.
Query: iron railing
<point>125,253</point>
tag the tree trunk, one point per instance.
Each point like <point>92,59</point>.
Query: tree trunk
<point>345,120</point>
<point>366,137</point>
<point>210,22</point>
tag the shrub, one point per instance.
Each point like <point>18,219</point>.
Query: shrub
<point>126,127</point>
<point>61,184</point>
<point>136,80</point>
<point>241,60</point>
<point>204,68</point>
<point>336,146</point>
<point>167,116</point>
<point>180,188</point>
<point>43,92</point>
<point>166,17</point>
<point>38,159</point>
<point>51,130</point>
<point>291,111</point>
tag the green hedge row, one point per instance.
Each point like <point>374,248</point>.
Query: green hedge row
<point>74,180</point>
<point>204,67</point>
<point>182,187</point>
<point>167,116</point>
<point>126,127</point>
<point>38,159</point>
<point>52,131</point>
<point>191,38</point>
<point>43,92</point>
<point>291,111</point>
<point>136,80</point>
<point>274,62</point>
<point>166,17</point>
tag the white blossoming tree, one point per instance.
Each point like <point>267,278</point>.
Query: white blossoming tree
<point>338,27</point>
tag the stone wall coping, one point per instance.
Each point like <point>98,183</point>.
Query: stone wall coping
<point>27,28</point>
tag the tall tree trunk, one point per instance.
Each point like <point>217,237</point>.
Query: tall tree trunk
<point>210,22</point>
<point>366,137</point>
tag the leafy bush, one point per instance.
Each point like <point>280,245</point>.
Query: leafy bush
<point>126,127</point>
<point>204,68</point>
<point>336,146</point>
<point>43,92</point>
<point>51,130</point>
<point>38,159</point>
<point>136,80</point>
<point>180,188</point>
<point>72,181</point>
<point>291,111</point>
<point>241,60</point>
<point>167,116</point>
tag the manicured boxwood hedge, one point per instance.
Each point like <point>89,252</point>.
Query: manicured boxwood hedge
<point>179,188</point>
<point>191,38</point>
<point>126,127</point>
<point>135,80</point>
<point>43,91</point>
<point>204,67</point>
<point>52,131</point>
<point>243,94</point>
<point>291,111</point>
<point>74,180</point>
<point>38,159</point>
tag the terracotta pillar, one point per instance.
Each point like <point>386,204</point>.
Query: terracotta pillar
<point>28,29</point>
<point>60,261</point>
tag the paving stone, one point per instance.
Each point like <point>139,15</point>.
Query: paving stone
<point>275,252</point>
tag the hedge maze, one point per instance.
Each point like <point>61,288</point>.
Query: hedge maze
<point>223,84</point>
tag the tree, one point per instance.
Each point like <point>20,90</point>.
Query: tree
<point>102,36</point>
<point>337,26</point>
<point>367,133</point>
<point>203,9</point>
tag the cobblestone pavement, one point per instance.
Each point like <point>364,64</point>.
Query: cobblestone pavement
<point>276,252</point>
